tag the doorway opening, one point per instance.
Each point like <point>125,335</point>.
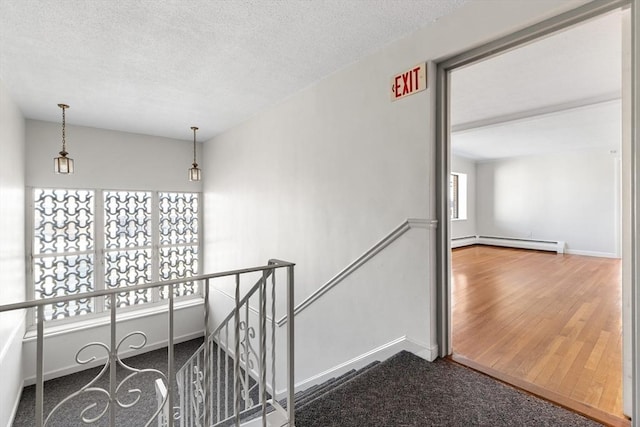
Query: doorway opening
<point>536,134</point>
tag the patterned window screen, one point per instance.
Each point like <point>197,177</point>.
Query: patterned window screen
<point>128,244</point>
<point>179,240</point>
<point>66,247</point>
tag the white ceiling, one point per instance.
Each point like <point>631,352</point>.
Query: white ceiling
<point>531,100</point>
<point>159,67</point>
<point>592,126</point>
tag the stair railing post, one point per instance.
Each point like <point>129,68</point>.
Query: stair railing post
<point>246,356</point>
<point>113,380</point>
<point>218,379</point>
<point>263,347</point>
<point>171,367</point>
<point>210,387</point>
<point>273,336</point>
<point>40,367</point>
<point>207,356</point>
<point>290,348</point>
<point>226,370</point>
<point>236,349</point>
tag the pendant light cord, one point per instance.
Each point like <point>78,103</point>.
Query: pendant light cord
<point>194,146</point>
<point>64,139</point>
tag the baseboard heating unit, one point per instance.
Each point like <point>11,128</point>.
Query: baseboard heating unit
<point>458,242</point>
<point>539,245</point>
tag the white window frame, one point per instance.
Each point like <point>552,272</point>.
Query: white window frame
<point>462,196</point>
<point>100,250</point>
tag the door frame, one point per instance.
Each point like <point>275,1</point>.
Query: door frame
<point>443,168</point>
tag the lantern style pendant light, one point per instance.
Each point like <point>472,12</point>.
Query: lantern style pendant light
<point>63,164</point>
<point>194,172</point>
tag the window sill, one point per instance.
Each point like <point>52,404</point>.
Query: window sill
<point>105,319</point>
<point>458,219</point>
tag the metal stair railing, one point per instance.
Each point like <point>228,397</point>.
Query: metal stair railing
<point>167,413</point>
<point>225,380</point>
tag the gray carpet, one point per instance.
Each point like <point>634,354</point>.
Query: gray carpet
<point>400,392</point>
<point>68,416</point>
<point>409,391</point>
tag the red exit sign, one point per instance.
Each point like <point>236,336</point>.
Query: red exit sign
<point>409,82</point>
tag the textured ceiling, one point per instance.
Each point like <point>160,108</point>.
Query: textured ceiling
<point>159,66</point>
<point>531,99</point>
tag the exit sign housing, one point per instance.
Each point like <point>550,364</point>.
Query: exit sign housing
<point>409,82</point>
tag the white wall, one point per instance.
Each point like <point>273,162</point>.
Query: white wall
<point>60,347</point>
<point>568,196</point>
<point>320,177</point>
<point>12,174</point>
<point>107,159</point>
<point>356,312</point>
<point>385,300</point>
<point>465,227</point>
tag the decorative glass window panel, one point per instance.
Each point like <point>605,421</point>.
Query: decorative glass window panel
<point>142,237</point>
<point>63,221</point>
<point>127,219</point>
<point>57,276</point>
<point>179,263</point>
<point>127,224</point>
<point>63,249</point>
<point>178,218</point>
<point>127,268</point>
<point>179,228</point>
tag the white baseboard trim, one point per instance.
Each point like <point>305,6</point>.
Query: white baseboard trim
<point>553,246</point>
<point>427,353</point>
<point>14,411</point>
<point>540,245</point>
<point>72,369</point>
<point>381,353</point>
<point>460,242</point>
<point>274,419</point>
<point>591,253</point>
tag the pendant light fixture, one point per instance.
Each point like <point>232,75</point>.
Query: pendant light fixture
<point>194,172</point>
<point>63,164</point>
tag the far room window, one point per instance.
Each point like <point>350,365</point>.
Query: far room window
<point>458,196</point>
<point>86,240</point>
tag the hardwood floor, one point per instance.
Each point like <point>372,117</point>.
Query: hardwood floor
<point>549,322</point>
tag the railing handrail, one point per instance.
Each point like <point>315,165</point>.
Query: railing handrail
<point>248,295</point>
<point>219,373</point>
<point>273,264</point>
<point>244,299</point>
<point>358,262</point>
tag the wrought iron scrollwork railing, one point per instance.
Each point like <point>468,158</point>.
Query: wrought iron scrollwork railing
<point>91,387</point>
<point>234,354</point>
<point>226,379</point>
